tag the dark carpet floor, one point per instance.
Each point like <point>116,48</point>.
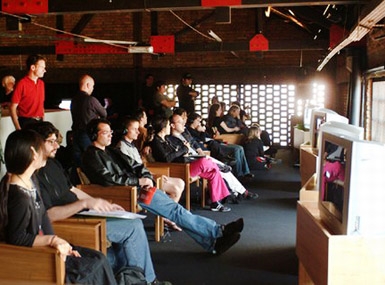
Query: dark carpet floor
<point>265,254</point>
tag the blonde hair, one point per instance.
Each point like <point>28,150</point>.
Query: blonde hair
<point>254,132</point>
<point>6,79</point>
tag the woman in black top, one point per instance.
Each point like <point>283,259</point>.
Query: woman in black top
<point>254,152</point>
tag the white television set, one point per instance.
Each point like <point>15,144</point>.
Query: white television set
<point>351,185</point>
<point>320,116</point>
<point>340,129</point>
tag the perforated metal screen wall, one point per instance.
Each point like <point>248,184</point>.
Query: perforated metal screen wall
<point>271,106</point>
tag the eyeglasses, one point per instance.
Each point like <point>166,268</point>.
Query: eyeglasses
<point>52,141</point>
<point>106,132</point>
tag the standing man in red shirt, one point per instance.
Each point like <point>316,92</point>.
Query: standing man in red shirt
<point>27,103</point>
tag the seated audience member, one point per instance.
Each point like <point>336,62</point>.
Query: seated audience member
<point>164,150</point>
<point>231,123</point>
<point>8,82</point>
<point>144,138</point>
<point>214,119</point>
<point>214,100</point>
<point>180,138</point>
<point>220,151</point>
<point>63,200</point>
<point>107,166</point>
<point>270,151</point>
<point>255,154</point>
<point>172,186</point>
<point>24,220</point>
<point>243,116</point>
<point>205,142</point>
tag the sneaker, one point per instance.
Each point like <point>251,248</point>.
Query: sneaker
<point>157,282</point>
<point>218,207</point>
<point>275,161</point>
<point>251,195</point>
<point>222,244</point>
<point>233,227</point>
<point>267,165</point>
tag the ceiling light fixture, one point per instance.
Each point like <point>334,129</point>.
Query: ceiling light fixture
<point>141,49</point>
<point>267,12</point>
<point>214,36</point>
<point>91,40</point>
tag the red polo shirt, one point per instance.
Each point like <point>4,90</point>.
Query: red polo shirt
<point>29,97</point>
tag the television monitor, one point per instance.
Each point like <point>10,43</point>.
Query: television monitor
<point>351,192</point>
<point>320,116</point>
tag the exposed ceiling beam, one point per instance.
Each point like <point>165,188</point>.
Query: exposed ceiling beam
<point>99,6</point>
<point>372,14</point>
<point>274,45</point>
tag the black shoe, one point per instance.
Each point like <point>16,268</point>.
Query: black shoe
<point>229,162</point>
<point>233,227</point>
<point>222,244</point>
<point>251,195</point>
<point>249,175</point>
<point>224,168</point>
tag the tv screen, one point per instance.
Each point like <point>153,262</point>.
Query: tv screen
<point>318,117</point>
<point>351,191</point>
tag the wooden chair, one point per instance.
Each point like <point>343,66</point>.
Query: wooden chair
<point>83,231</point>
<point>30,265</point>
<point>125,196</point>
<point>157,173</point>
<point>182,170</point>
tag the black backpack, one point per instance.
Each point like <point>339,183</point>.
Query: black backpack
<point>130,275</point>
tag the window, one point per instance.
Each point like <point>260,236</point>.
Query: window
<point>377,112</point>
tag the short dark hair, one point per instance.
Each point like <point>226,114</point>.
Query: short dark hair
<point>179,111</point>
<point>33,59</point>
<point>139,114</point>
<point>18,154</point>
<point>43,128</point>
<point>92,127</point>
<point>128,120</point>
<point>192,117</point>
<point>159,123</point>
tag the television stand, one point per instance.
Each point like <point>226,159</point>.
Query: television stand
<point>308,163</point>
<point>325,258</point>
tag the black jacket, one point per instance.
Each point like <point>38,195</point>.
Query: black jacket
<point>167,151</point>
<point>111,167</point>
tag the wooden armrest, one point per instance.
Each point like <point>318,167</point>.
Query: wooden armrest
<point>42,265</point>
<point>158,171</point>
<point>125,196</point>
<point>179,170</point>
<point>83,231</point>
